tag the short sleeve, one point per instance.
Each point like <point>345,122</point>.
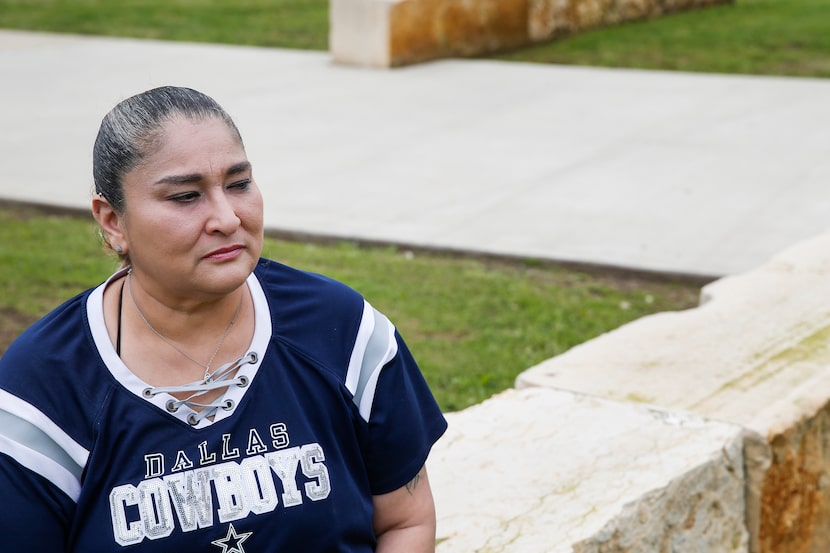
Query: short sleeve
<point>403,419</point>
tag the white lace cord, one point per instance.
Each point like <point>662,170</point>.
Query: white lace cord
<point>219,379</point>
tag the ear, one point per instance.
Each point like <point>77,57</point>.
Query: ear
<point>111,223</point>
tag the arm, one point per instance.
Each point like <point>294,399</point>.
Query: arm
<point>405,518</point>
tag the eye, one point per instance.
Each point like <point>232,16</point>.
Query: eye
<point>240,185</point>
<point>185,197</point>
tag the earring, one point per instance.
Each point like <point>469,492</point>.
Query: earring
<point>119,250</point>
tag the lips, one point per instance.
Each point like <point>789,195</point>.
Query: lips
<point>225,253</point>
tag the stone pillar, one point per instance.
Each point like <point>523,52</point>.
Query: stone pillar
<point>359,32</point>
<point>388,33</point>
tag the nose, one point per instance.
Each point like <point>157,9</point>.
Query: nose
<point>222,217</point>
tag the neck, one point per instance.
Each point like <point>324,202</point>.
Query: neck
<point>193,337</point>
<point>184,319</point>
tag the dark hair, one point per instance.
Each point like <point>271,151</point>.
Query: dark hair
<point>129,132</point>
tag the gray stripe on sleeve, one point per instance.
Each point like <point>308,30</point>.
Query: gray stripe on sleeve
<point>375,355</point>
<point>29,435</point>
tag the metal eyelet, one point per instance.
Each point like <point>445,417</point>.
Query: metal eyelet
<point>242,381</point>
<point>229,404</point>
<point>148,392</point>
<point>191,419</point>
<point>171,405</point>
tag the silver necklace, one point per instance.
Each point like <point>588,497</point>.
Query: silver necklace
<point>208,374</point>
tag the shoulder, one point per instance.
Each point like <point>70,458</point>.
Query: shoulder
<point>288,283</point>
<point>318,317</point>
<point>53,336</point>
<point>54,367</point>
<point>301,301</point>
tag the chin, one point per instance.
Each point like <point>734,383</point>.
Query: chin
<point>227,277</point>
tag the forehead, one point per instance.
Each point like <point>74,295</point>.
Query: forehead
<point>179,131</point>
<point>192,142</point>
<point>183,146</point>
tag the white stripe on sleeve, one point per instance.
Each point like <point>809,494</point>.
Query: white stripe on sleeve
<point>374,347</point>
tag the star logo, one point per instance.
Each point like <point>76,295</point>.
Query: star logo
<point>232,543</point>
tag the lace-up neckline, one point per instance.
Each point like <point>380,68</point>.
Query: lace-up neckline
<point>222,378</point>
<point>237,382</point>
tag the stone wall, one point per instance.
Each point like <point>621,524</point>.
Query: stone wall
<point>551,18</point>
<point>756,354</point>
<point>388,33</point>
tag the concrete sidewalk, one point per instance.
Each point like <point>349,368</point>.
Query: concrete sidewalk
<point>693,174</point>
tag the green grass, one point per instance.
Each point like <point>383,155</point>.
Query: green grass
<point>472,324</point>
<point>773,37</point>
<point>282,23</point>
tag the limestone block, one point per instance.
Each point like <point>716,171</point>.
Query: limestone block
<point>755,353</point>
<point>428,29</point>
<point>541,470</point>
<point>386,33</point>
<point>359,32</point>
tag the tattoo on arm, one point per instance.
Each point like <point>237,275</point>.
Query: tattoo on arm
<point>412,484</point>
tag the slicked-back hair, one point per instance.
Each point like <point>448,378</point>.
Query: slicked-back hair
<point>131,131</point>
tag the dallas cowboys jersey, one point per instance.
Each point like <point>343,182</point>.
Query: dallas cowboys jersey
<point>327,409</point>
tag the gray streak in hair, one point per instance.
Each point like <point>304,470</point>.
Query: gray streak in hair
<point>130,131</point>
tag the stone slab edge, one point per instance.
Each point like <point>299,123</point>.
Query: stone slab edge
<point>540,470</point>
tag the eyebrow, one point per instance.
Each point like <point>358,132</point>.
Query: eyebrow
<point>234,169</point>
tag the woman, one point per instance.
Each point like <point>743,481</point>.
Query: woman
<point>204,399</point>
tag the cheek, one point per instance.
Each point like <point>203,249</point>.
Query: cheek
<point>168,232</point>
<point>252,213</point>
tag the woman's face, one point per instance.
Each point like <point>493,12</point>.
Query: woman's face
<point>193,214</point>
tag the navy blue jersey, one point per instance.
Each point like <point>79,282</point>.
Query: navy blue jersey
<point>327,410</point>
